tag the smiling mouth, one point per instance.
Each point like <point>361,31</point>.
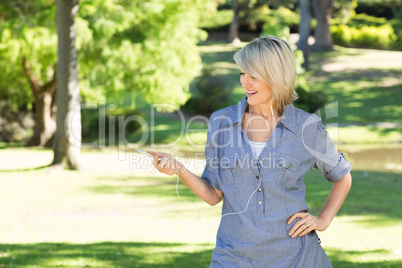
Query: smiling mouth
<point>251,92</point>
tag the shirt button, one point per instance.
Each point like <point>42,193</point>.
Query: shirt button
<point>290,165</point>
<point>260,202</point>
<point>259,189</point>
<point>226,164</point>
<point>257,177</point>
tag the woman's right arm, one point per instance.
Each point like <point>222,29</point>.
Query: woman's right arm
<point>169,166</point>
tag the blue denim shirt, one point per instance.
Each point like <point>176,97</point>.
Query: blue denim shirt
<point>260,194</point>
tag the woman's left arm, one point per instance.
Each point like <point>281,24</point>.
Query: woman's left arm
<point>335,199</point>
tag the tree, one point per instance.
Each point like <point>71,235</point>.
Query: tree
<point>45,107</point>
<point>67,143</point>
<point>234,25</point>
<point>246,12</point>
<point>28,49</point>
<point>147,48</point>
<point>304,31</point>
<point>323,13</point>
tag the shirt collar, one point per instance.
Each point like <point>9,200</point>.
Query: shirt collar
<point>289,118</point>
<point>236,115</point>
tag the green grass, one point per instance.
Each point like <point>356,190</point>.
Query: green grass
<point>364,84</point>
<point>116,215</point>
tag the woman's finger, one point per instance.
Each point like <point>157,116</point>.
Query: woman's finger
<point>163,163</point>
<point>296,227</point>
<point>299,230</point>
<point>297,215</point>
<point>306,231</point>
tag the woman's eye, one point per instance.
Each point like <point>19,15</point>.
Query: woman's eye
<point>241,74</point>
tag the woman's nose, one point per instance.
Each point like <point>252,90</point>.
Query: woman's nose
<point>245,80</point>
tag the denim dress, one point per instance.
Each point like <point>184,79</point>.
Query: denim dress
<point>260,194</point>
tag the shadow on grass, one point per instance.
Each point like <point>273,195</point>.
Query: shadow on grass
<point>164,190</point>
<point>25,169</point>
<point>6,145</point>
<point>342,259</point>
<point>147,255</point>
<point>372,193</point>
<point>105,254</point>
<point>362,104</point>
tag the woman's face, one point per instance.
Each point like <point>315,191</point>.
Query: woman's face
<point>257,91</point>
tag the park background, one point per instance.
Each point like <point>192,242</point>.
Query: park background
<point>103,205</point>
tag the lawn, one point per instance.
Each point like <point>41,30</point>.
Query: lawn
<point>363,86</point>
<point>119,213</point>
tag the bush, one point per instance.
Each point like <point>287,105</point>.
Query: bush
<point>91,118</point>
<point>363,19</point>
<point>397,25</point>
<point>365,32</point>
<point>307,100</point>
<point>209,93</point>
<point>342,35</point>
<point>278,22</point>
<point>220,19</point>
<point>310,101</point>
<point>378,8</point>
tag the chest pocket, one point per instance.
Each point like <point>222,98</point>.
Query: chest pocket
<point>290,176</point>
<point>230,170</point>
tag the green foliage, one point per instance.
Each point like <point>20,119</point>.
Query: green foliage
<point>384,2</point>
<point>113,124</point>
<point>147,47</point>
<point>366,20</point>
<point>278,21</point>
<point>220,19</point>
<point>144,46</point>
<point>31,35</point>
<point>286,16</point>
<point>308,101</point>
<point>397,25</point>
<point>381,37</point>
<point>364,31</point>
<point>209,93</point>
<point>378,8</point>
<point>343,10</point>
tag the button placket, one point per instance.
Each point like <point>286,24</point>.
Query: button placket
<point>259,194</point>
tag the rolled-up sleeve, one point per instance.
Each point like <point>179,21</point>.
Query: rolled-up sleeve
<point>210,173</point>
<point>333,165</point>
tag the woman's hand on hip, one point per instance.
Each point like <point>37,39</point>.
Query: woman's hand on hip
<point>166,163</point>
<point>306,224</point>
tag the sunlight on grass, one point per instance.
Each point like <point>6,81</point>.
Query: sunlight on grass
<point>364,135</point>
<point>119,212</point>
<point>65,218</point>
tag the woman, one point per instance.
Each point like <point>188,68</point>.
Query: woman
<point>256,154</point>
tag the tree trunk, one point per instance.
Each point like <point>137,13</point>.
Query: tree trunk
<point>304,31</point>
<point>323,38</point>
<point>234,25</point>
<point>45,123</point>
<point>67,141</point>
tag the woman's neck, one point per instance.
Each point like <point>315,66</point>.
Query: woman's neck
<point>263,110</point>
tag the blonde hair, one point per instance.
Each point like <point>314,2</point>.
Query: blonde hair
<point>270,60</point>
